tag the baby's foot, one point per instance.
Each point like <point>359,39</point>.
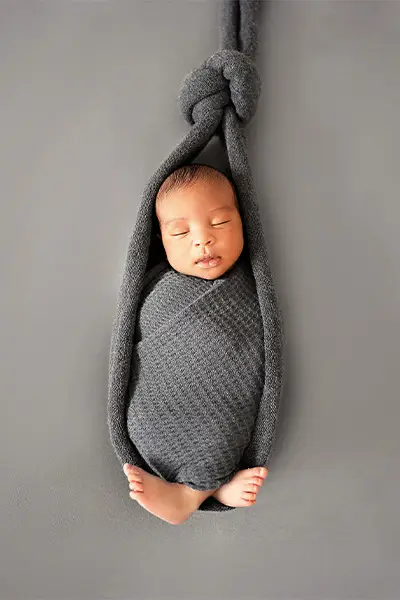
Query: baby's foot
<point>172,502</point>
<point>243,488</point>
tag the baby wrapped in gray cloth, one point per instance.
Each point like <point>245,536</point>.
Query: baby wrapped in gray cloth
<point>196,359</point>
<point>198,365</point>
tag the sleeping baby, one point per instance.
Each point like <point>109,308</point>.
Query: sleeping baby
<point>201,232</point>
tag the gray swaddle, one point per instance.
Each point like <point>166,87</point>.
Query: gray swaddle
<point>197,375</point>
<point>231,411</point>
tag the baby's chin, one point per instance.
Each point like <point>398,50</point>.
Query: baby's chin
<point>210,276</point>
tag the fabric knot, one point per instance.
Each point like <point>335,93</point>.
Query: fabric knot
<point>228,77</point>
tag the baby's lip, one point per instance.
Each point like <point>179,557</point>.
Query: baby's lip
<point>207,257</point>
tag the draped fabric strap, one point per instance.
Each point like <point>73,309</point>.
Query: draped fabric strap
<point>229,77</point>
<point>222,93</point>
<point>239,26</point>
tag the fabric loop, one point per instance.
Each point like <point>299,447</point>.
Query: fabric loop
<point>228,77</point>
<point>223,91</point>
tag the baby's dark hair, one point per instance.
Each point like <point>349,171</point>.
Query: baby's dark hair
<point>188,174</point>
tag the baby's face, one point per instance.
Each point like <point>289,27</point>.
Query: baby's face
<point>197,220</point>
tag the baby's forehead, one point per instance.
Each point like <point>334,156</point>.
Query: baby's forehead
<point>198,189</point>
<point>220,191</point>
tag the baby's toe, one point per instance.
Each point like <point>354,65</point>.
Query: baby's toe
<point>136,486</point>
<point>249,496</point>
<point>135,475</point>
<point>249,502</point>
<point>257,481</point>
<point>262,472</point>
<point>251,487</point>
<point>257,473</point>
<point>135,495</point>
<point>127,468</point>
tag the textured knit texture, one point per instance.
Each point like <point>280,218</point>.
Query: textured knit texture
<point>218,98</point>
<point>197,375</point>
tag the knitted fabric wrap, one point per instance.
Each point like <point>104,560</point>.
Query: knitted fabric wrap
<point>197,375</point>
<point>218,98</point>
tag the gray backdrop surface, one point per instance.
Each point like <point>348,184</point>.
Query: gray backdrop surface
<point>88,111</point>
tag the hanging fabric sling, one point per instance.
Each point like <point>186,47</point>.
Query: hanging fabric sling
<point>165,414</point>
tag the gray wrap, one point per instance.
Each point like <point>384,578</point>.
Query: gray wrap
<point>197,375</point>
<point>219,98</point>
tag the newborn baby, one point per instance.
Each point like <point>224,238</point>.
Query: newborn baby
<point>202,235</point>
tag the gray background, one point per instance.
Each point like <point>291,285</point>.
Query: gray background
<point>88,111</point>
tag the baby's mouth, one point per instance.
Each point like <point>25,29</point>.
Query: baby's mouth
<point>209,262</point>
<point>207,257</point>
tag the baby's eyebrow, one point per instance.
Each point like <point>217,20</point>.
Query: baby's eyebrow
<point>226,206</point>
